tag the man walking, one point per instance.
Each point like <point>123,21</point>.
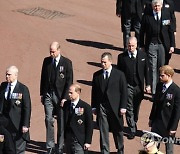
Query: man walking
<point>133,62</point>
<point>109,98</point>
<point>165,113</point>
<point>156,38</point>
<point>56,77</point>
<point>16,107</point>
<point>78,122</point>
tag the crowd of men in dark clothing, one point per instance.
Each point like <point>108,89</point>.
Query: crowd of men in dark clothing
<point>116,91</point>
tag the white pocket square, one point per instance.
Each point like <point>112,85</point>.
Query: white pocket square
<point>168,104</point>
<point>143,59</point>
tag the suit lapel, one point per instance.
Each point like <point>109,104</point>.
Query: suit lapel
<point>100,79</point>
<point>16,88</point>
<point>110,77</point>
<point>67,111</point>
<point>61,61</point>
<point>4,90</point>
<point>50,67</point>
<point>139,58</point>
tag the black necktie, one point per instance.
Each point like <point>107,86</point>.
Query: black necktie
<point>132,56</point>
<point>72,108</point>
<point>9,93</point>
<point>157,17</point>
<point>54,63</point>
<point>106,75</point>
<point>164,88</point>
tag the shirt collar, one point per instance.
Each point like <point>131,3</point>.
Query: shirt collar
<point>13,84</point>
<point>58,58</point>
<point>108,70</point>
<point>134,53</point>
<point>155,13</point>
<point>168,84</point>
<point>75,102</point>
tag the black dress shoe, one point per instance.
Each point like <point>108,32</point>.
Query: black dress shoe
<point>131,136</point>
<point>59,152</point>
<point>51,151</point>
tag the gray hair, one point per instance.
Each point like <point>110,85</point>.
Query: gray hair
<point>157,2</point>
<point>13,68</point>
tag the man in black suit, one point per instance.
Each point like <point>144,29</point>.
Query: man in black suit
<point>168,5</point>
<point>78,122</point>
<point>130,12</point>
<point>157,29</point>
<point>16,107</point>
<point>109,98</point>
<point>56,77</point>
<point>165,113</point>
<point>134,64</point>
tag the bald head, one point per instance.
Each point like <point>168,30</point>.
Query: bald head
<point>11,74</point>
<point>54,49</point>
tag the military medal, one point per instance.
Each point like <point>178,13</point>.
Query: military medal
<point>80,121</point>
<point>62,75</point>
<point>19,95</point>
<point>61,68</point>
<point>79,111</point>
<point>168,104</point>
<point>18,102</point>
<point>16,96</point>
<point>169,96</point>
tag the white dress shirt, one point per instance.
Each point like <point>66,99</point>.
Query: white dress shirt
<point>13,84</point>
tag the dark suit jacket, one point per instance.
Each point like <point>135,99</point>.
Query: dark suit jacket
<point>6,144</point>
<point>166,31</point>
<point>64,78</point>
<point>20,107</point>
<point>142,66</point>
<point>81,125</point>
<point>123,7</point>
<point>168,105</point>
<point>116,92</point>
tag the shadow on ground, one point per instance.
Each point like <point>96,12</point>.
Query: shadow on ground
<point>94,44</point>
<point>36,147</point>
<point>177,71</point>
<point>85,82</point>
<point>177,51</point>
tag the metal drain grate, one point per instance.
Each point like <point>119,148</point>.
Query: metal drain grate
<point>43,13</point>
